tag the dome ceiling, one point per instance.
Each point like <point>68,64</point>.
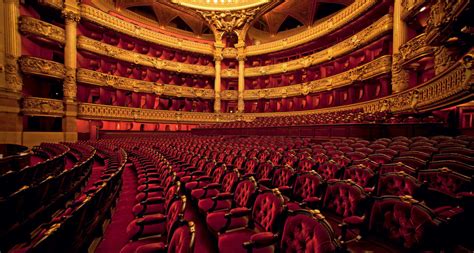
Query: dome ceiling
<point>288,15</point>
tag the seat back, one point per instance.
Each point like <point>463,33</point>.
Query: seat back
<point>245,192</point>
<point>283,176</point>
<point>329,170</point>
<point>308,231</point>
<point>360,174</point>
<point>395,167</point>
<point>446,181</point>
<point>344,198</point>
<point>306,164</point>
<point>265,170</point>
<point>307,185</point>
<point>230,180</point>
<point>403,220</point>
<point>268,211</point>
<point>398,184</point>
<point>182,240</point>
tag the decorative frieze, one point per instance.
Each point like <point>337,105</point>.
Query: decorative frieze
<point>374,68</point>
<point>35,106</point>
<point>117,82</point>
<point>56,4</point>
<point>38,66</point>
<point>141,59</point>
<point>37,27</point>
<point>414,49</point>
<point>411,7</point>
<point>442,14</point>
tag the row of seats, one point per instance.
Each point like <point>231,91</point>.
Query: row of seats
<point>74,225</point>
<point>340,117</point>
<point>343,198</point>
<point>13,157</point>
<point>35,201</point>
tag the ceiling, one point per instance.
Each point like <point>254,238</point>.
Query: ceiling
<point>289,15</point>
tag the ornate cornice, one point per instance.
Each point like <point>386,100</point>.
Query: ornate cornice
<point>374,68</point>
<point>97,16</point>
<point>411,7</point>
<point>141,59</point>
<point>414,49</point>
<point>362,38</point>
<point>37,27</point>
<point>38,66</point>
<point>442,14</point>
<point>340,19</point>
<point>106,80</point>
<point>34,106</point>
<point>335,22</point>
<point>107,112</point>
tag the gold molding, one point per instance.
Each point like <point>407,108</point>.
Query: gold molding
<point>35,106</point>
<point>107,112</point>
<point>56,4</point>
<point>42,67</point>
<point>442,15</point>
<point>141,59</point>
<point>414,49</point>
<point>37,27</point>
<point>123,83</point>
<point>371,69</point>
<point>329,25</point>
<point>104,19</point>
<point>411,8</point>
<point>362,38</point>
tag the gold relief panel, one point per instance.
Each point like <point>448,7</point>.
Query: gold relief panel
<point>362,38</point>
<point>123,83</point>
<point>34,26</point>
<point>56,4</point>
<point>141,59</point>
<point>42,106</point>
<point>374,68</point>
<point>411,7</point>
<point>102,18</point>
<point>229,95</point>
<point>414,49</point>
<point>38,66</point>
<point>442,14</point>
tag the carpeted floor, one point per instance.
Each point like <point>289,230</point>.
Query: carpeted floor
<point>115,235</point>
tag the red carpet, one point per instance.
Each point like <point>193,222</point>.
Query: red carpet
<point>115,235</point>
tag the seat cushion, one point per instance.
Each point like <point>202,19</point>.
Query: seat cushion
<point>139,209</point>
<point>206,204</point>
<point>201,193</point>
<point>142,196</point>
<point>216,221</point>
<point>131,247</point>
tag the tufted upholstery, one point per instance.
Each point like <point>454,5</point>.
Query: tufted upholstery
<point>380,158</point>
<point>306,164</point>
<point>282,176</point>
<point>344,198</point>
<point>263,156</point>
<point>356,155</point>
<point>329,170</point>
<point>308,232</point>
<point>398,183</point>
<point>158,204</point>
<point>360,174</point>
<point>342,161</point>
<point>228,182</point>
<point>367,163</point>
<point>404,221</point>
<point>217,175</point>
<point>289,160</point>
<point>411,161</point>
<point>239,162</point>
<point>395,167</point>
<point>264,170</point>
<point>182,241</point>
<point>275,157</point>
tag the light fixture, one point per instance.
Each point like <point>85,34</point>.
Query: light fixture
<point>423,9</point>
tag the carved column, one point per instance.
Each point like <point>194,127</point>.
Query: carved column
<point>241,82</point>
<point>399,75</point>
<point>10,79</point>
<point>71,17</point>
<point>217,81</point>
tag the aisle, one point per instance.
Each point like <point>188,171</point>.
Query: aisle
<point>115,234</point>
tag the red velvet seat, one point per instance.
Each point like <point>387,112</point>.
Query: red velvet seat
<point>181,241</point>
<point>242,196</point>
<point>265,216</point>
<point>361,175</point>
<point>306,164</point>
<point>217,186</point>
<point>155,190</point>
<point>157,204</point>
<point>282,179</point>
<point>304,231</point>
<point>330,170</point>
<point>395,167</point>
<point>307,191</point>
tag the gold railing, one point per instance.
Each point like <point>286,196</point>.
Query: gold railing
<point>374,68</point>
<point>37,27</point>
<point>414,49</point>
<point>38,66</point>
<point>107,112</point>
<point>145,60</point>
<point>35,106</point>
<point>117,82</point>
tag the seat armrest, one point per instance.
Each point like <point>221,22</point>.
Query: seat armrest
<point>311,202</point>
<point>238,212</point>
<point>204,178</point>
<point>153,200</point>
<point>212,186</point>
<point>285,189</point>
<point>197,173</point>
<point>265,181</point>
<point>151,219</point>
<point>223,196</point>
<point>260,240</point>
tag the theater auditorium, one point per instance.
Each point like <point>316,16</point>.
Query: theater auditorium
<point>236,126</point>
